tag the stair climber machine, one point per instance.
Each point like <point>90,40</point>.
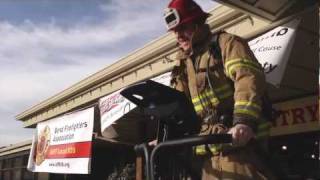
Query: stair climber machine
<point>177,130</point>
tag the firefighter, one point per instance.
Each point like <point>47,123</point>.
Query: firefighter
<point>226,84</point>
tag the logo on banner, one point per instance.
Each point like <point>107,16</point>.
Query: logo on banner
<point>111,103</point>
<point>42,145</point>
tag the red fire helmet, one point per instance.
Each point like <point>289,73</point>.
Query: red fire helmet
<point>183,11</point>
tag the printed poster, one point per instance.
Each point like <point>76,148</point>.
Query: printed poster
<point>63,144</point>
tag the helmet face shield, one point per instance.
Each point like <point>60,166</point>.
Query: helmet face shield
<point>172,18</point>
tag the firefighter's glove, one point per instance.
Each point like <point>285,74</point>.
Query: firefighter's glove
<point>241,134</point>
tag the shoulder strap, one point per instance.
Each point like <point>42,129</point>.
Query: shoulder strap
<point>215,49</point>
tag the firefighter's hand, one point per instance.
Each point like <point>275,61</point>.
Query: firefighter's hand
<point>241,134</point>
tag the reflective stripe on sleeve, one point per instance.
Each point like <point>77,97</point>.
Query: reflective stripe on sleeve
<point>247,108</point>
<point>231,65</point>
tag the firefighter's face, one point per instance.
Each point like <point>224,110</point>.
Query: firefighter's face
<point>184,34</point>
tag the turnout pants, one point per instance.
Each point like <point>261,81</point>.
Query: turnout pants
<point>242,164</point>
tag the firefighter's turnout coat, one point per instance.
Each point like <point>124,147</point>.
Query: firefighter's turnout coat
<point>222,76</point>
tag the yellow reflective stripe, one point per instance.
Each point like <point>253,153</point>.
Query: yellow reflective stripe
<point>248,108</point>
<point>230,63</point>
<point>214,148</point>
<point>204,99</point>
<point>247,103</point>
<point>234,63</point>
<point>208,92</point>
<point>237,60</point>
<point>198,108</point>
<point>200,150</point>
<point>231,69</point>
<point>247,112</point>
<point>214,101</point>
<point>195,99</point>
<point>203,95</point>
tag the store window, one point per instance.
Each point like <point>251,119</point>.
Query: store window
<point>26,174</point>
<point>6,166</point>
<point>6,175</point>
<point>15,168</point>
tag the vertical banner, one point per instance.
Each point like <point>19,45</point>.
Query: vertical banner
<point>273,49</point>
<point>63,144</point>
<point>114,106</point>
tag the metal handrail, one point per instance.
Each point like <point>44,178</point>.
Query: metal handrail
<point>183,142</point>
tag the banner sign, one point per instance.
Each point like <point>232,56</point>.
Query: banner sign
<point>296,116</point>
<point>273,49</point>
<point>114,106</point>
<point>63,144</point>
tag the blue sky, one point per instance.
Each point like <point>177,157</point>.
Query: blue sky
<point>49,45</point>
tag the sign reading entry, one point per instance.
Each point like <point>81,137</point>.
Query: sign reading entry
<point>63,144</point>
<point>273,48</point>
<point>296,116</point>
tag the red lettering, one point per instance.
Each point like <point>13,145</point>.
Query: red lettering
<point>298,113</point>
<point>314,112</point>
<point>283,115</point>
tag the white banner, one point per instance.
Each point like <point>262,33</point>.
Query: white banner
<point>114,106</point>
<point>273,49</point>
<point>63,144</point>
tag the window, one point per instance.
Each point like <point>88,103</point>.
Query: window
<point>27,175</point>
<point>15,168</point>
<point>6,175</point>
<point>1,162</point>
